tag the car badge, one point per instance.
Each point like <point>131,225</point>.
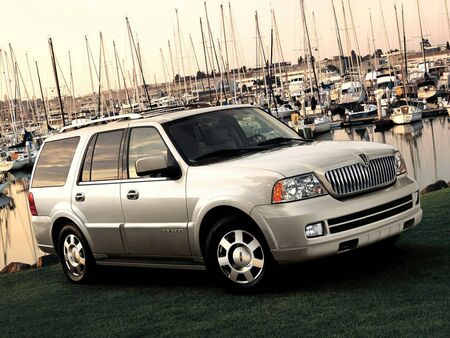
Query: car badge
<point>365,160</point>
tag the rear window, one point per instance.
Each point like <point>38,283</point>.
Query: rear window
<point>54,163</point>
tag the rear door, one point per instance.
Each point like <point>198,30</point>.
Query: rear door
<point>154,206</point>
<point>96,197</point>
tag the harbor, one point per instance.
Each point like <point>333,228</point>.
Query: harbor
<point>171,167</point>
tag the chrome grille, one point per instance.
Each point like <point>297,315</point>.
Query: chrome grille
<point>357,177</point>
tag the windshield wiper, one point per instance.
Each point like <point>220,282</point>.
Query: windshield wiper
<point>279,140</point>
<point>227,153</point>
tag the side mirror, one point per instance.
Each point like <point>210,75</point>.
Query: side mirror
<point>151,164</point>
<point>156,164</point>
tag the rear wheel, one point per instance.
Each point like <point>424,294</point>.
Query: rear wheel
<point>237,254</point>
<point>75,256</point>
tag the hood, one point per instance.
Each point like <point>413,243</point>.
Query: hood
<point>312,157</point>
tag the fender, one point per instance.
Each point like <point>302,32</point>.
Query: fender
<point>203,207</point>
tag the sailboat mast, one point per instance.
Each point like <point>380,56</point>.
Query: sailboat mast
<point>405,80</point>
<point>130,33</point>
<point>227,63</point>
<point>196,59</point>
<point>339,41</point>
<point>171,64</point>
<point>317,45</point>
<point>206,61</point>
<point>448,17</point>
<point>282,61</point>
<point>400,44</point>
<point>89,63</point>
<point>404,47</point>
<point>181,51</point>
<point>302,3</point>
<point>214,49</point>
<point>32,83</point>
<point>55,73</point>
<point>42,96</point>
<point>71,86</point>
<point>238,65</point>
<point>355,37</point>
<point>421,39</point>
<point>373,40</point>
<point>347,39</point>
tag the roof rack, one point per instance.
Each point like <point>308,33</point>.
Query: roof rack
<point>103,120</point>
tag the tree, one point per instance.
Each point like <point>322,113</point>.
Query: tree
<point>447,46</point>
<point>300,60</point>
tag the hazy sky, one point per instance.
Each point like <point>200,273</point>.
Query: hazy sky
<point>28,24</point>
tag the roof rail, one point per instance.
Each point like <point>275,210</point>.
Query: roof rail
<point>102,120</point>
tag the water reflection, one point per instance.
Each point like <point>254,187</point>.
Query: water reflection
<point>425,146</point>
<point>17,243</point>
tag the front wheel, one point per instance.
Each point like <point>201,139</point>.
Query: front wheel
<point>237,254</point>
<point>75,256</point>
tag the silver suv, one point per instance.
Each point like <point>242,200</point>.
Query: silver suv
<point>229,189</point>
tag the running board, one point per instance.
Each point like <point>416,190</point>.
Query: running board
<point>159,264</point>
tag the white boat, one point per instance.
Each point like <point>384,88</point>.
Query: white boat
<point>368,110</point>
<point>322,124</point>
<point>21,160</point>
<point>352,92</point>
<point>406,114</point>
<point>318,124</point>
<point>283,111</point>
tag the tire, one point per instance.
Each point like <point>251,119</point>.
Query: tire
<point>237,255</point>
<point>75,255</point>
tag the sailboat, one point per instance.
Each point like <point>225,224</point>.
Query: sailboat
<point>406,113</point>
<point>322,122</point>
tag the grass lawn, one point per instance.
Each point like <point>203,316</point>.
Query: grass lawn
<point>404,291</point>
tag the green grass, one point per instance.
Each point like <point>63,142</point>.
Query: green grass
<point>404,291</point>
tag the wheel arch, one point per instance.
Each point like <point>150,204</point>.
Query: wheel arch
<point>218,212</point>
<point>58,225</point>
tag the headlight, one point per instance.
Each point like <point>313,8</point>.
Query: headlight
<point>400,165</point>
<point>297,188</point>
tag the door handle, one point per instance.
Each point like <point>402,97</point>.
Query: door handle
<point>133,195</point>
<point>79,197</point>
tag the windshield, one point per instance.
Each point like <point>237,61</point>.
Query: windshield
<point>219,135</point>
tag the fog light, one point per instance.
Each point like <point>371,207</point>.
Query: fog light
<point>415,197</point>
<point>314,230</point>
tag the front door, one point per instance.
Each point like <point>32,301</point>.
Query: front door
<point>154,206</point>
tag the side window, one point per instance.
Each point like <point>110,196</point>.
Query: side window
<point>105,157</point>
<point>54,163</point>
<point>144,142</point>
<point>87,164</point>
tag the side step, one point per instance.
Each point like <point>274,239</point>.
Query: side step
<point>152,263</point>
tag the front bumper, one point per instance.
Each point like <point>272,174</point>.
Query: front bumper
<point>284,224</point>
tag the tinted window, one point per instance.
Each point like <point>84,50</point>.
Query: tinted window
<point>144,142</point>
<point>54,163</point>
<point>105,160</point>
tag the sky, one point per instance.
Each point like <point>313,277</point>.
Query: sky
<point>28,24</point>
